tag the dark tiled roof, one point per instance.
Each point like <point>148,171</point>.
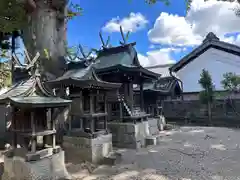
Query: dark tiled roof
<point>83,77</point>
<point>38,101</point>
<point>22,88</point>
<point>163,85</point>
<point>162,69</point>
<point>122,55</point>
<point>211,41</point>
<point>31,92</point>
<point>122,58</point>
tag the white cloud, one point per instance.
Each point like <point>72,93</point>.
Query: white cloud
<point>203,17</point>
<point>132,23</point>
<point>157,57</point>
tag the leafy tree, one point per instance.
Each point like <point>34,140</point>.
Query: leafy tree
<point>231,82</point>
<point>207,95</point>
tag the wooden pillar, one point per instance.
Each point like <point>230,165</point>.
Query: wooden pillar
<point>157,109</point>
<point>49,121</point>
<point>81,100</point>
<point>54,129</point>
<point>46,139</point>
<point>130,90</point>
<point>109,111</point>
<point>91,112</point>
<point>126,95</point>
<point>13,127</point>
<point>106,110</point>
<point>141,97</point>
<point>120,106</point>
<point>33,140</point>
<point>70,122</point>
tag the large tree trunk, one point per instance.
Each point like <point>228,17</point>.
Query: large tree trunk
<point>45,32</point>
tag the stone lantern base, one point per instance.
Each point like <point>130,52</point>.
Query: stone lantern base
<point>46,168</point>
<point>93,150</point>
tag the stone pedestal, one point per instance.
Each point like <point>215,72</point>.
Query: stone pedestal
<point>80,149</point>
<point>133,136</point>
<point>50,167</point>
<point>154,126</point>
<point>129,135</point>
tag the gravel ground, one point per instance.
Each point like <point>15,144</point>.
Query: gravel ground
<point>188,153</point>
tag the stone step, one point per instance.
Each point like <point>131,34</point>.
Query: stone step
<point>151,140</point>
<point>112,158</point>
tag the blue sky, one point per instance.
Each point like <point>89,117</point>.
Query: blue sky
<point>163,33</point>
<point>84,29</point>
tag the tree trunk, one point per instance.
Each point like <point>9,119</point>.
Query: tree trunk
<point>45,31</point>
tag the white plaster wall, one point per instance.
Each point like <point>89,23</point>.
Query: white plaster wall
<point>216,62</point>
<point>161,69</point>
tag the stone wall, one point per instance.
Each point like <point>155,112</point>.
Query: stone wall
<point>222,111</point>
<point>80,149</point>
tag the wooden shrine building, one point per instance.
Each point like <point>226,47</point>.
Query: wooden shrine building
<point>89,95</point>
<point>33,112</point>
<point>156,92</point>
<point>121,65</point>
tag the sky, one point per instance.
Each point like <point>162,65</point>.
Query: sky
<point>164,34</point>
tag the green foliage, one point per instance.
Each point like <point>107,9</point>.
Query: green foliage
<point>231,82</point>
<point>151,2</point>
<point>188,4</point>
<point>166,2</point>
<point>74,10</point>
<point>12,15</point>
<point>5,75</point>
<point>207,95</point>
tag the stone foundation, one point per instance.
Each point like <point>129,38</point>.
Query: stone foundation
<point>80,149</point>
<point>51,167</point>
<point>134,136</point>
<point>129,135</point>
